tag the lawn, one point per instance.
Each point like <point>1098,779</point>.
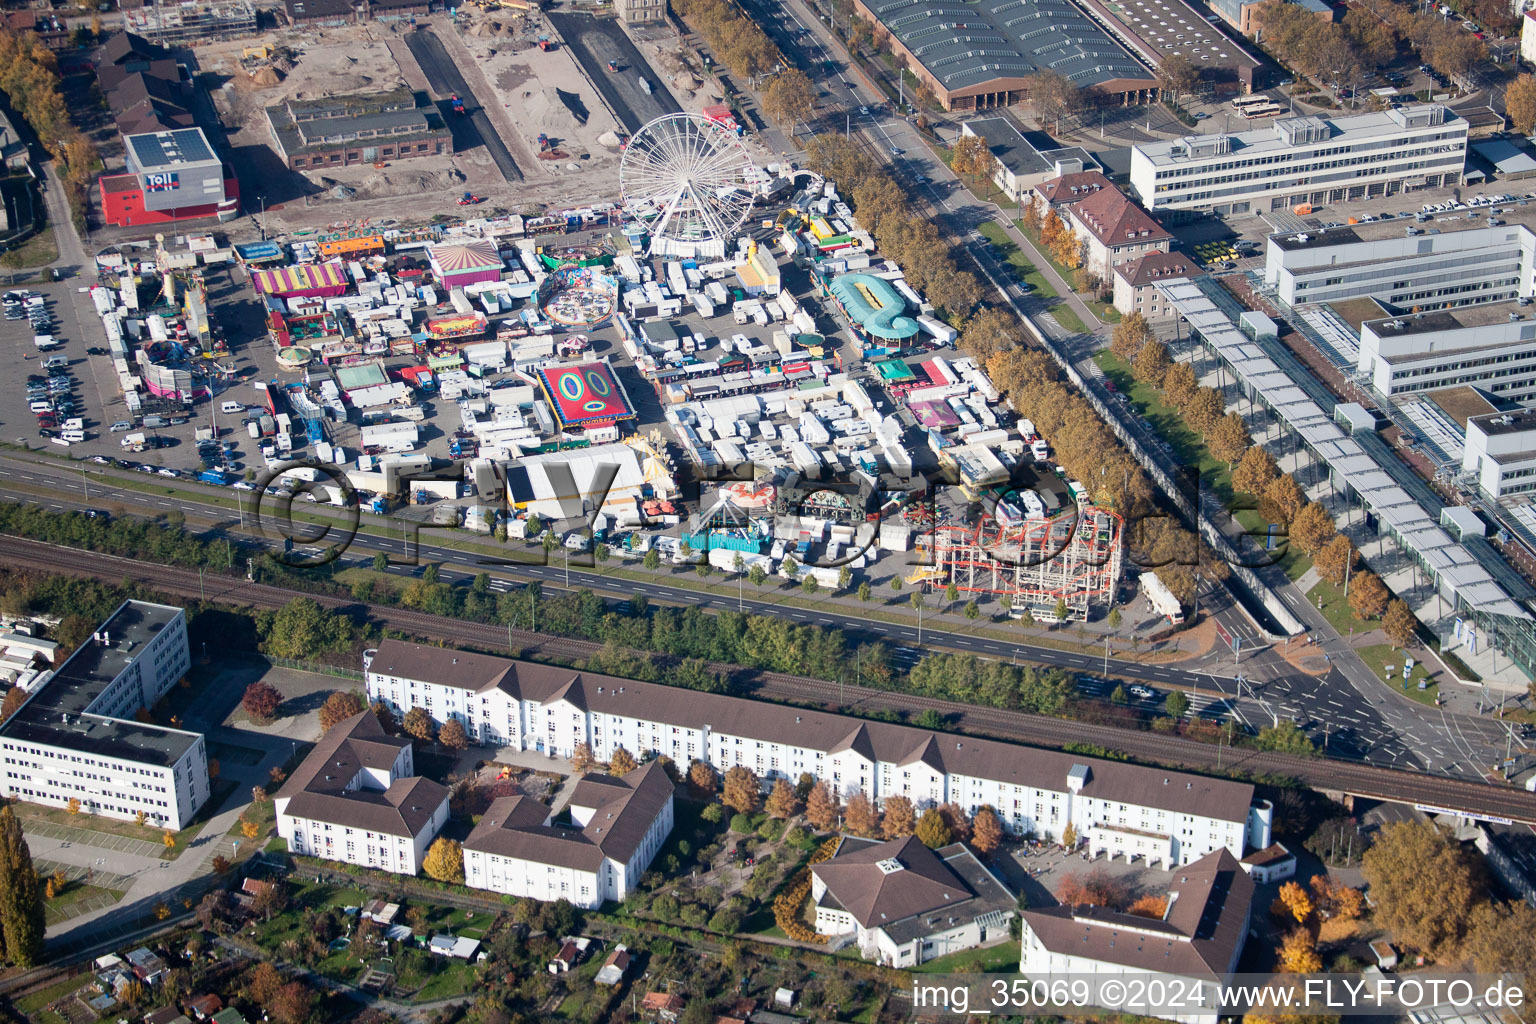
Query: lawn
<point>1290,559</point>
<point>454,979</point>
<point>1010,253</point>
<point>1002,957</point>
<point>37,1000</point>
<point>585,999</point>
<point>1187,445</point>
<point>60,907</point>
<point>37,251</point>
<point>1104,310</point>
<point>305,901</point>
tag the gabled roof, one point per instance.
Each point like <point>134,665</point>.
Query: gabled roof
<point>1072,188</point>
<point>1114,220</point>
<point>882,883</point>
<point>126,47</point>
<point>1158,266</point>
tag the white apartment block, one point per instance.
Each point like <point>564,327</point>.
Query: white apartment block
<point>1199,938</point>
<point>550,709</point>
<point>75,737</point>
<point>1491,346</point>
<point>1500,453</point>
<point>1300,160</point>
<point>608,835</point>
<point>1407,264</point>
<point>356,799</point>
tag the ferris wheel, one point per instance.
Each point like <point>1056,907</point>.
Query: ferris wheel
<point>691,181</point>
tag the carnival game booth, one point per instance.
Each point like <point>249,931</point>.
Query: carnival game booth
<point>457,264</point>
<point>591,255</point>
<point>585,396</point>
<point>578,297</point>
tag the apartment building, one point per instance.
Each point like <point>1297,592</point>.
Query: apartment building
<point>549,709</point>
<point>1136,280</point>
<point>1198,939</point>
<point>1490,346</point>
<point>1485,258</point>
<point>641,12</point>
<point>596,850</point>
<point>1304,160</point>
<point>356,799</point>
<point>1114,230</point>
<point>75,738</point>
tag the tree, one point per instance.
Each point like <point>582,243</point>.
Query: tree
<point>249,828</point>
<point>1176,704</point>
<point>271,899</point>
<point>452,735</point>
<point>865,593</point>
<point>168,839</point>
<point>971,157</point>
<point>1255,471</point>
<point>1399,623</point>
<point>221,864</point>
<point>1368,596</point>
<point>1069,836</point>
<point>1423,885</point>
<point>1335,559</point>
<point>932,830</point>
<point>381,562</point>
<point>757,575</point>
<point>444,861</point>
<point>1312,528</point>
<point>1229,440</point>
<point>821,807</point>
<point>741,791</point>
<point>261,701</point>
<point>1296,901</point>
<point>72,805</point>
<point>388,720</point>
<point>22,913</point>
<point>1061,611</point>
<point>703,777</point>
<point>1152,363</point>
<point>810,584</point>
<point>294,1003</point>
<point>339,707</point>
<point>622,762</point>
<point>971,610</point>
<point>781,800</point>
<point>1520,103</point>
<point>652,560</point>
<point>860,817</point>
<point>262,983</point>
<point>418,724</point>
<point>1176,75</point>
<point>986,831</point>
<point>215,911</point>
<point>1298,953</point>
<point>1054,97</point>
<point>1205,410</point>
<point>992,330</point>
<point>301,629</point>
<point>900,819</point>
<point>1129,335</point>
<point>1180,385</point>
<point>15,697</point>
<point>1096,888</point>
<point>1283,499</point>
<point>1150,905</point>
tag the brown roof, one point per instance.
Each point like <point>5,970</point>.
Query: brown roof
<point>669,1001</point>
<point>1269,855</point>
<point>1158,266</point>
<point>319,788</point>
<point>1200,935</point>
<point>1114,220</point>
<point>1007,763</point>
<point>882,883</point>
<point>623,810</point>
<point>1072,188</point>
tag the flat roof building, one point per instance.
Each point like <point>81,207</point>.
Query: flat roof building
<point>339,131</point>
<point>1023,159</point>
<point>172,175</point>
<point>977,56</point>
<point>1500,453</point>
<point>1312,160</point>
<point>1490,346</point>
<point>1156,29</point>
<point>75,737</point>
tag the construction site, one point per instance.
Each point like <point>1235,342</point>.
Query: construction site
<point>1037,568</point>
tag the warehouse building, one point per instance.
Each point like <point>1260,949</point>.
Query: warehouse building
<point>170,176</point>
<point>340,131</point>
<point>979,56</point>
<point>1304,160</point>
<point>75,738</point>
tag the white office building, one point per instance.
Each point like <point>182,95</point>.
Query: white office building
<point>1491,346</point>
<point>1500,453</point>
<point>356,799</point>
<point>595,850</point>
<point>551,709</point>
<point>1199,937</point>
<point>1299,160</point>
<point>75,738</point>
<point>1410,265</point>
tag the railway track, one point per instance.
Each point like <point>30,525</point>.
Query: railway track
<point>1327,774</point>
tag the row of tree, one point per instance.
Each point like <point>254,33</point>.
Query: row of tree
<point>737,41</point>
<point>29,78</point>
<point>902,233</point>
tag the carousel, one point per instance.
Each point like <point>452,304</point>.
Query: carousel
<point>578,297</point>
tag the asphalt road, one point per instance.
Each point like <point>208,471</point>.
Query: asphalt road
<point>594,42</point>
<point>474,127</point>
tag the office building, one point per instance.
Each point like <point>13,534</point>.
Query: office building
<point>1199,937</point>
<point>340,131</point>
<point>1490,346</point>
<point>171,176</point>
<point>1304,160</point>
<point>356,799</point>
<point>1500,453</point>
<point>596,850</point>
<point>1023,159</point>
<point>1136,280</point>
<point>1408,264</point>
<point>979,56</point>
<point>1114,230</point>
<point>75,737</point>
<point>903,904</point>
<point>551,710</point>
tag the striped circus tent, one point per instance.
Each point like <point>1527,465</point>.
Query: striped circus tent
<point>456,264</point>
<point>305,280</point>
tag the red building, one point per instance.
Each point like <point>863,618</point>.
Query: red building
<point>171,176</point>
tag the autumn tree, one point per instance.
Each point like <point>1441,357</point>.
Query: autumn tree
<point>1283,500</point>
<point>900,819</point>
<point>790,98</point>
<point>1312,528</point>
<point>262,983</point>
<point>1150,905</point>
<point>741,791</point>
<point>582,760</point>
<point>1205,410</point>
<point>294,1003</point>
<point>781,801</point>
<point>452,735</point>
<point>1176,75</point>
<point>971,157</point>
<point>1128,336</point>
<point>1255,471</point>
<point>1335,559</point>
<point>1368,596</point>
<point>388,720</point>
<point>992,330</point>
<point>1424,886</point>
<point>1335,899</point>
<point>986,831</point>
<point>703,777</point>
<point>1152,363</point>
<point>932,830</point>
<point>622,762</point>
<point>1180,384</point>
<point>14,698</point>
<point>1229,440</point>
<point>1298,953</point>
<point>1399,623</point>
<point>860,816</point>
<point>821,807</point>
<point>444,861</point>
<point>339,707</point>
<point>1297,903</point>
<point>270,899</point>
<point>1520,103</point>
<point>1095,888</point>
<point>418,724</point>
<point>1055,98</point>
<point>261,701</point>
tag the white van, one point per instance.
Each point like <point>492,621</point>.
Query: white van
<point>73,423</point>
<point>73,436</point>
<point>40,406</point>
<point>55,362</point>
<point>44,342</point>
<point>231,407</point>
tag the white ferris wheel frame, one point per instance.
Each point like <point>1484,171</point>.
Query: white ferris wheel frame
<point>696,177</point>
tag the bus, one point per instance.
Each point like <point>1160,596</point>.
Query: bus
<point>1268,110</point>
<point>1241,103</point>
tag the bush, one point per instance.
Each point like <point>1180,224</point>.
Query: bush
<point>741,823</point>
